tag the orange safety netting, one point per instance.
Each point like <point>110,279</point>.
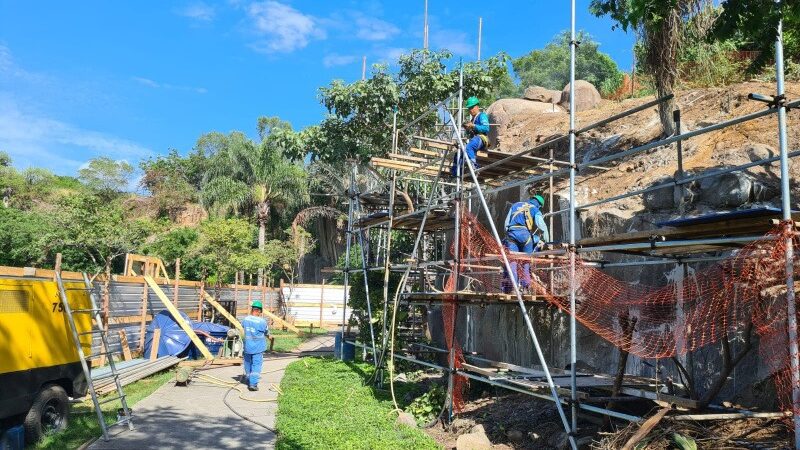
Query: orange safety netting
<point>712,304</point>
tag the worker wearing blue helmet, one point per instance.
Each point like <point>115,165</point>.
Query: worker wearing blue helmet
<point>255,336</point>
<point>523,223</point>
<point>477,131</point>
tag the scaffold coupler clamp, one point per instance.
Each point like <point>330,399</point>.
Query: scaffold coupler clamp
<point>772,101</point>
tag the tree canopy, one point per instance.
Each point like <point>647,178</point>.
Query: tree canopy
<point>549,67</point>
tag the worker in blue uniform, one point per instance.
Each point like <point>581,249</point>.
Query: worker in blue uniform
<point>523,223</point>
<point>477,131</point>
<point>256,332</point>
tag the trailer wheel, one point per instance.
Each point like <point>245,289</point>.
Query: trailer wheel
<point>49,413</point>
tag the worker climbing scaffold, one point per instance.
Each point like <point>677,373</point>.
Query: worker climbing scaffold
<point>477,130</point>
<point>524,222</point>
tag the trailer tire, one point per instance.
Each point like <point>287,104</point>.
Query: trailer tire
<point>49,413</point>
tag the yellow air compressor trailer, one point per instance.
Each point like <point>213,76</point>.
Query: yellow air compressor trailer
<point>39,364</point>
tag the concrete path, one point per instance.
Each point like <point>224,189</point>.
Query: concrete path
<point>195,416</point>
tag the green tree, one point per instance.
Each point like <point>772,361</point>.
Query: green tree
<point>20,237</point>
<point>247,177</point>
<point>660,24</point>
<point>24,189</point>
<point>5,159</point>
<point>173,244</point>
<point>549,67</point>
<point>93,232</point>
<point>106,176</point>
<point>360,121</point>
<point>754,24</point>
<point>167,179</point>
<point>220,244</point>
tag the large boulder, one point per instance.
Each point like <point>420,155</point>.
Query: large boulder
<point>475,440</point>
<point>660,199</point>
<point>540,94</point>
<point>507,111</point>
<point>586,96</point>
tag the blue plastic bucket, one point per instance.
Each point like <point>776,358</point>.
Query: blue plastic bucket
<point>349,349</point>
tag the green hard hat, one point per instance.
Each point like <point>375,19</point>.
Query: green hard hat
<point>472,101</point>
<point>257,304</point>
<point>539,199</point>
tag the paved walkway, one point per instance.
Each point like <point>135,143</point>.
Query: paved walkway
<point>195,416</point>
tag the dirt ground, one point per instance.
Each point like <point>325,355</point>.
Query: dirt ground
<point>521,422</point>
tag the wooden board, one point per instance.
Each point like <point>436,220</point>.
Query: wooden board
<point>123,342</point>
<point>178,318</point>
<point>282,322</point>
<point>154,345</point>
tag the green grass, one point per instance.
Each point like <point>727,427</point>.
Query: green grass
<point>83,424</point>
<point>286,341</point>
<point>325,404</point>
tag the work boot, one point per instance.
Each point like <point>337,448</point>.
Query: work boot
<point>252,388</point>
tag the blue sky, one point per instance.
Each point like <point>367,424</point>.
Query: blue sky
<point>130,80</point>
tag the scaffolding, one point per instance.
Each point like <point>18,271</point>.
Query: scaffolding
<point>436,222</point>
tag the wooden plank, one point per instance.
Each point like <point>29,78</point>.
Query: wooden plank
<point>671,399</point>
<point>408,158</point>
<point>177,283</point>
<point>143,316</point>
<point>178,318</point>
<point>282,322</point>
<point>646,427</point>
<point>420,151</point>
<point>406,167</point>
<point>123,342</point>
<point>154,345</point>
<point>224,312</point>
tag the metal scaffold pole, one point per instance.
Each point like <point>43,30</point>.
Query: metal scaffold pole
<point>349,232</point>
<point>786,206</point>
<point>515,283</point>
<point>573,354</point>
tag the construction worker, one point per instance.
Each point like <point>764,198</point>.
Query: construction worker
<point>523,222</point>
<point>256,332</point>
<point>477,131</point>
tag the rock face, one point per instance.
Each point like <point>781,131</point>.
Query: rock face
<point>586,96</point>
<point>540,94</point>
<point>505,112</point>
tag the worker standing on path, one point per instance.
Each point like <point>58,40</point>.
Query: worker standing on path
<point>256,332</point>
<point>477,131</point>
<point>523,223</point>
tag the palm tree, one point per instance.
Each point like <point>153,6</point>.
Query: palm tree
<point>253,178</point>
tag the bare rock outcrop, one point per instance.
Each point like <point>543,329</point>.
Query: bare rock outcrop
<point>543,95</point>
<point>506,112</point>
<point>586,96</point>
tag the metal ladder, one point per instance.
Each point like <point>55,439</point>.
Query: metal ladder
<point>97,330</point>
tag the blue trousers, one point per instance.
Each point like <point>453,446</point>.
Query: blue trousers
<point>474,144</point>
<point>252,367</point>
<point>519,240</point>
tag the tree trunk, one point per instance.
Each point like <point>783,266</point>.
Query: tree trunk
<point>663,43</point>
<point>263,218</point>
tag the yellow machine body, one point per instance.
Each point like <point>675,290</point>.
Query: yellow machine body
<point>36,343</point>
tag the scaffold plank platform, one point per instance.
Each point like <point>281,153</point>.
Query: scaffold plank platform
<point>468,297</point>
<point>438,220</point>
<point>751,222</point>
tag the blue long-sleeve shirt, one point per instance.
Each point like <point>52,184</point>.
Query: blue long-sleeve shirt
<point>481,122</point>
<point>517,216</point>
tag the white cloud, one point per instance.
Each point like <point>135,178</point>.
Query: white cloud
<point>32,139</point>
<point>282,29</point>
<point>156,85</point>
<point>10,69</point>
<point>390,54</point>
<point>373,29</point>
<point>455,41</point>
<point>199,11</point>
<point>335,59</point>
